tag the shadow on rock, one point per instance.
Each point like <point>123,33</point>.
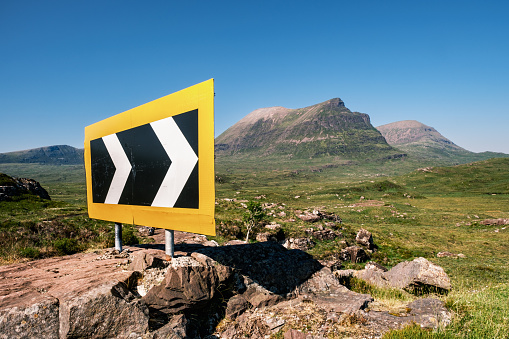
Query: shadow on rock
<point>208,283</point>
<point>268,264</point>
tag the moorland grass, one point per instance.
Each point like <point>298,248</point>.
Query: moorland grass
<point>410,215</point>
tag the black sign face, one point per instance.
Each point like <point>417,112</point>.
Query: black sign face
<point>155,164</point>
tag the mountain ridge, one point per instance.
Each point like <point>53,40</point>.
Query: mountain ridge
<point>323,129</point>
<point>55,155</point>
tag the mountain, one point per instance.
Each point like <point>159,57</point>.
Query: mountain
<point>324,129</point>
<point>425,142</point>
<point>416,137</point>
<point>55,155</point>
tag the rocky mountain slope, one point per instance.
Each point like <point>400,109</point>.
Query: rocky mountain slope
<point>423,141</point>
<point>324,129</point>
<point>54,155</point>
<point>417,137</point>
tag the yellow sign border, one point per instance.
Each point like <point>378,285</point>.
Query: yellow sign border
<point>201,220</point>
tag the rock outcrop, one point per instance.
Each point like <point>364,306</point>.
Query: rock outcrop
<point>190,283</point>
<point>365,238</point>
<point>72,296</point>
<point>354,254</point>
<point>13,187</point>
<point>416,276</point>
<point>227,291</point>
<point>495,222</point>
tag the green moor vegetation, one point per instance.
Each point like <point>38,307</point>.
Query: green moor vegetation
<point>410,215</point>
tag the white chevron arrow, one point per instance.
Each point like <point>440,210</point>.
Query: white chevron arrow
<point>183,159</point>
<point>122,168</point>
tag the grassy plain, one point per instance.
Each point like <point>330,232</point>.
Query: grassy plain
<point>410,215</point>
<point>417,214</point>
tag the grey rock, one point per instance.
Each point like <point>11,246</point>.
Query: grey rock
<point>143,260</point>
<point>326,292</point>
<point>267,263</point>
<point>36,317</point>
<point>261,237</point>
<point>236,306</point>
<point>104,312</point>
<point>34,187</point>
<point>333,265</point>
<point>365,238</point>
<point>146,231</point>
<point>302,244</point>
<point>176,328</point>
<point>427,313</point>
<point>354,254</point>
<point>71,296</point>
<point>309,217</point>
<point>258,296</point>
<point>188,284</point>
<point>19,186</point>
<point>373,275</point>
<point>495,222</point>
<point>417,275</point>
<point>323,234</point>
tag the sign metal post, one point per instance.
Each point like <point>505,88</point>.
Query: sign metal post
<point>118,237</point>
<point>169,236</point>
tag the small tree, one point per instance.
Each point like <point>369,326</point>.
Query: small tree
<point>254,215</point>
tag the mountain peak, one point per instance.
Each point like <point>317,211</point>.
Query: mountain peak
<point>327,128</point>
<point>416,138</point>
<point>335,102</point>
<point>412,131</point>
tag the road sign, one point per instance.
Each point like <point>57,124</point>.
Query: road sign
<point>154,164</point>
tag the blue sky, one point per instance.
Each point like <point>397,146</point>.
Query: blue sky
<point>68,64</point>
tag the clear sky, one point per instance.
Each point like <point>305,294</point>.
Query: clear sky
<point>68,64</point>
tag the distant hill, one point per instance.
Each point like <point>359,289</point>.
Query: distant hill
<point>321,130</point>
<point>425,142</point>
<point>482,177</point>
<point>54,155</point>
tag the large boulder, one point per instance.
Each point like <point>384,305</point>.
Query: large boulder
<point>354,254</point>
<point>302,244</point>
<point>326,292</point>
<point>365,238</point>
<point>106,311</point>
<point>416,276</point>
<point>81,295</point>
<point>28,313</point>
<point>188,284</point>
<point>427,313</point>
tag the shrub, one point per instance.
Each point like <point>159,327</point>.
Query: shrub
<point>128,236</point>
<point>29,252</point>
<point>66,246</point>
